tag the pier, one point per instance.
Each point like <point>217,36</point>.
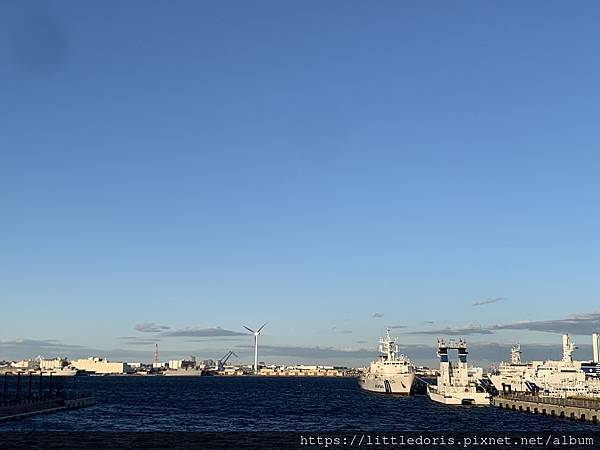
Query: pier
<point>565,408</point>
<point>20,399</point>
<point>24,407</point>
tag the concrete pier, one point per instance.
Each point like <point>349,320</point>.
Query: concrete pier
<point>566,408</point>
<point>19,408</point>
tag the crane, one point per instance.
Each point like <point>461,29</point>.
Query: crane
<point>221,362</point>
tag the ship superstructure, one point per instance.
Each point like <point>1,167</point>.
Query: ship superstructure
<point>391,373</point>
<point>458,384</point>
<point>560,378</point>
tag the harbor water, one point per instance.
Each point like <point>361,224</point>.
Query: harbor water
<point>152,403</point>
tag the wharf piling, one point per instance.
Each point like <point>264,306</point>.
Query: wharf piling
<point>19,399</point>
<point>24,407</point>
<point>582,409</point>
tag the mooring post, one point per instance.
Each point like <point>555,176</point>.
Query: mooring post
<point>50,384</point>
<point>18,384</point>
<point>40,385</point>
<point>30,376</point>
<point>4,386</point>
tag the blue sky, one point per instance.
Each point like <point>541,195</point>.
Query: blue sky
<point>315,165</point>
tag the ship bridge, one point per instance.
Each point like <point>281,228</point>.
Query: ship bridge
<point>460,345</point>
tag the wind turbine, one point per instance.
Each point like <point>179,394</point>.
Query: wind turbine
<point>255,333</point>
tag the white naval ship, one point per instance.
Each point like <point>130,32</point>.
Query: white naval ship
<point>62,372</point>
<point>461,384</point>
<point>562,378</point>
<point>391,373</point>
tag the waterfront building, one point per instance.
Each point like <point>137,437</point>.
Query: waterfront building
<point>100,366</point>
<point>50,364</point>
<point>233,371</point>
<point>26,364</point>
<point>175,364</point>
<point>302,371</point>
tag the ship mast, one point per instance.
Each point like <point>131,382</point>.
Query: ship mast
<point>388,346</point>
<point>515,354</point>
<point>568,349</point>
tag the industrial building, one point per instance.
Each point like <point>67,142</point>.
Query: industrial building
<point>50,364</point>
<point>100,366</point>
<point>26,364</point>
<point>176,364</point>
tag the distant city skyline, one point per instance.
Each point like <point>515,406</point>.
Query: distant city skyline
<point>142,350</point>
<point>170,173</point>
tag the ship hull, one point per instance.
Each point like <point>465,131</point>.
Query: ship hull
<point>57,373</point>
<point>459,398</point>
<point>182,373</point>
<point>399,384</point>
<point>62,373</point>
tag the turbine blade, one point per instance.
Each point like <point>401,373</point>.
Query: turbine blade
<point>251,331</point>
<point>263,325</point>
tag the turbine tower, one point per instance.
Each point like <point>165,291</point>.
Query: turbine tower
<point>155,359</point>
<point>255,333</point>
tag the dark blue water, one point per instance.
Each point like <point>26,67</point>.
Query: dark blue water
<point>271,404</point>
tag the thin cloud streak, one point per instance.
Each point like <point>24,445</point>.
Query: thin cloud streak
<point>487,301</point>
<point>50,348</point>
<point>489,352</point>
<point>336,330</point>
<point>201,332</point>
<point>39,343</point>
<point>576,324</point>
<point>217,339</point>
<point>150,327</point>
<point>459,331</point>
<point>141,341</point>
<point>310,352</point>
